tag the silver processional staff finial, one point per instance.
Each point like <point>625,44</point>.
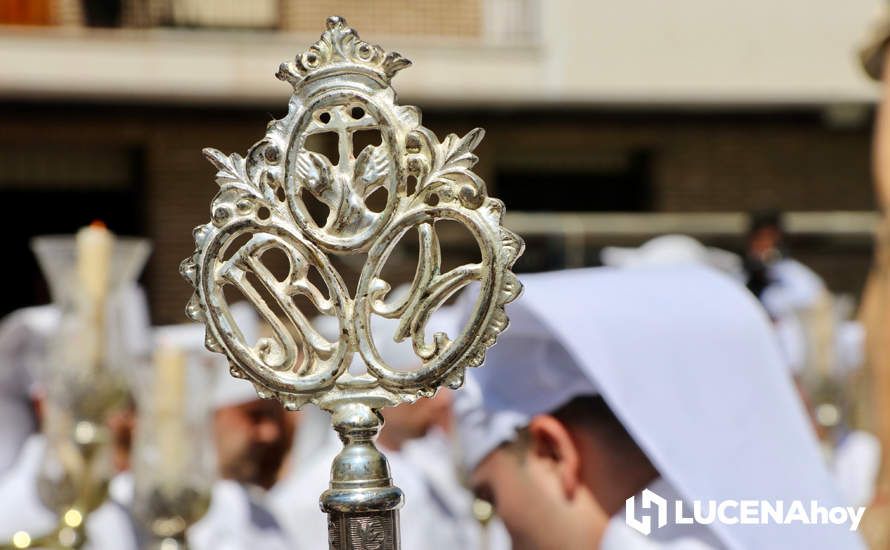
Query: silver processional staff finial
<point>341,86</point>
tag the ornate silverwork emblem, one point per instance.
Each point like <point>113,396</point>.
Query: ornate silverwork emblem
<point>270,199</point>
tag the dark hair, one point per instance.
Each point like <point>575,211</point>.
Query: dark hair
<point>588,412</point>
<point>593,413</point>
<point>763,219</point>
<point>757,267</point>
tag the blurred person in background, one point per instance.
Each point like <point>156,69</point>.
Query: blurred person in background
<point>253,437</point>
<point>22,508</point>
<point>822,348</point>
<point>23,337</point>
<point>783,284</point>
<point>23,344</point>
<point>612,382</point>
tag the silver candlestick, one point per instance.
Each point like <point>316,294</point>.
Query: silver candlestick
<point>266,202</point>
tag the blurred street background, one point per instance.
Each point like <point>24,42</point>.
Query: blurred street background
<point>607,122</point>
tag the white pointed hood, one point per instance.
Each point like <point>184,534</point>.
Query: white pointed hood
<point>687,361</point>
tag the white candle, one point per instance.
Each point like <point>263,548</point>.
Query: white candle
<point>169,394</point>
<point>94,246</point>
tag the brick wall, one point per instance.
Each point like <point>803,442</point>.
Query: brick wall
<point>698,164</point>
<point>454,18</point>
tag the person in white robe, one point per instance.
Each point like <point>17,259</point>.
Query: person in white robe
<point>252,438</point>
<point>108,527</point>
<point>22,510</point>
<point>23,336</point>
<point>786,287</point>
<point>252,441</point>
<point>610,382</point>
<point>821,345</point>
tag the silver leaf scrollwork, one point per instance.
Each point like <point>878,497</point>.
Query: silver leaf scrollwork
<point>268,202</point>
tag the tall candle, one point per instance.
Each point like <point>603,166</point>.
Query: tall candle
<point>94,246</point>
<point>169,395</point>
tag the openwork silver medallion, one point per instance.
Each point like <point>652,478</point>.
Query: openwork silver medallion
<point>266,200</point>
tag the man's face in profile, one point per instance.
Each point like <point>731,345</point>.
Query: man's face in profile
<point>252,440</point>
<point>524,494</point>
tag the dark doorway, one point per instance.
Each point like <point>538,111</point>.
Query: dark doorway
<point>57,190</point>
<point>619,182</point>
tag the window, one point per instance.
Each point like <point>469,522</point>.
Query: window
<point>56,189</point>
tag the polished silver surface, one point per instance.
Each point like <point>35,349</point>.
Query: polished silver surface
<point>271,199</point>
